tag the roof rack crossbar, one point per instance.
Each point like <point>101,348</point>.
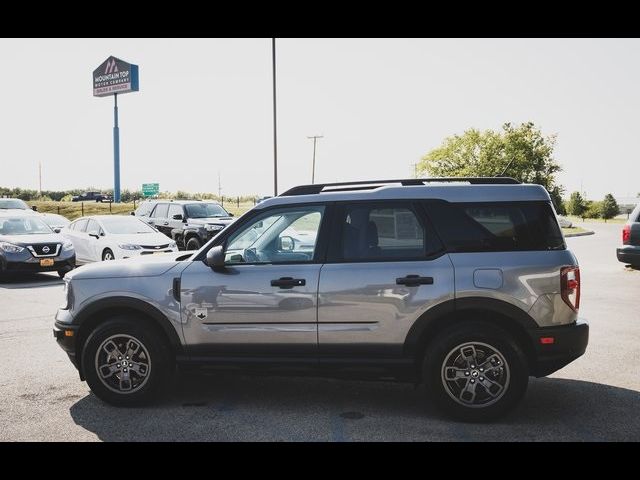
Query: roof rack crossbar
<point>370,184</point>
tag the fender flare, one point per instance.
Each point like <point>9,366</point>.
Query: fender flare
<point>129,303</point>
<point>431,321</point>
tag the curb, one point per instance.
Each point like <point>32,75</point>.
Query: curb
<point>582,234</point>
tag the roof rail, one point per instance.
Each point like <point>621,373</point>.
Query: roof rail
<point>370,184</point>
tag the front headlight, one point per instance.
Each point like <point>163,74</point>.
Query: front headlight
<point>68,295</point>
<point>67,246</point>
<point>129,246</point>
<point>10,247</point>
<point>172,245</point>
<point>214,228</point>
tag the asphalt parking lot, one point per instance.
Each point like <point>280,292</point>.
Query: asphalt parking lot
<point>595,398</point>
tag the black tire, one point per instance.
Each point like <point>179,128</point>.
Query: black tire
<point>512,379</point>
<point>151,346</point>
<point>107,255</point>
<point>193,244</point>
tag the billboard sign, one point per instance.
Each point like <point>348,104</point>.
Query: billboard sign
<point>150,189</point>
<point>115,76</point>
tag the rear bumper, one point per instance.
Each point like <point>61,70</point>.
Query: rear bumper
<point>569,343</point>
<point>629,254</point>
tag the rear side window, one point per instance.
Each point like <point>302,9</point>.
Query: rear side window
<point>506,226</point>
<point>371,232</point>
<point>161,210</point>
<point>144,209</point>
<point>80,225</point>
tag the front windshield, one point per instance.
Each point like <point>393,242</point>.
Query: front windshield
<point>23,226</point>
<point>205,210</point>
<point>5,204</point>
<point>125,225</point>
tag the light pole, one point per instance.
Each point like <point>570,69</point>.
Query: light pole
<point>275,130</point>
<point>313,167</point>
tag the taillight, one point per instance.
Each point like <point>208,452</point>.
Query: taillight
<point>570,286</point>
<point>626,234</point>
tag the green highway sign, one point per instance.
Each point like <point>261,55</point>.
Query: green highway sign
<point>150,189</point>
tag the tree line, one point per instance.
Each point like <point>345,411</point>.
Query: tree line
<point>126,195</point>
<point>518,151</point>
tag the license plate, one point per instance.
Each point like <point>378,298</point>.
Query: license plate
<point>46,262</point>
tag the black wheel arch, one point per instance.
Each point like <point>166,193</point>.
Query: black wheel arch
<point>502,314</point>
<point>92,315</point>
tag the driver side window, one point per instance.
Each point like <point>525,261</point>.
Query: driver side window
<point>284,235</point>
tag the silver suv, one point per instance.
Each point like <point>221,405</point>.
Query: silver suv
<point>463,284</point>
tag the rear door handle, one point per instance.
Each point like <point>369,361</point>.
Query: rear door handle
<point>288,282</point>
<point>414,280</point>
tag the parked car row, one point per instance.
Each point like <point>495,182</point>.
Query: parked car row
<point>189,223</point>
<point>630,251</point>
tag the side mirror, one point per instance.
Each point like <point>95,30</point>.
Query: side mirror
<point>177,216</point>
<point>57,229</point>
<point>34,208</point>
<point>133,213</point>
<point>231,214</point>
<point>215,257</point>
<point>286,243</point>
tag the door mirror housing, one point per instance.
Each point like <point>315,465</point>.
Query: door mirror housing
<point>57,229</point>
<point>215,257</point>
<point>34,208</point>
<point>177,216</point>
<point>286,243</point>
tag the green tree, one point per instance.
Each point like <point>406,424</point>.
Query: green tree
<point>609,207</point>
<point>593,210</point>
<point>576,205</point>
<point>521,152</point>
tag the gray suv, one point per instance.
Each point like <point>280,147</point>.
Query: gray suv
<point>463,284</point>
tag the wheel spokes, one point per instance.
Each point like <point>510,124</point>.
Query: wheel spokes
<point>468,393</point>
<point>139,368</point>
<point>492,388</point>
<point>108,370</point>
<point>468,353</point>
<point>453,373</point>
<point>132,349</point>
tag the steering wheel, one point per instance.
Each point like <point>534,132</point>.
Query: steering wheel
<point>250,255</point>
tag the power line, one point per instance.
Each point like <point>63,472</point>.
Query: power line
<point>313,167</point>
<point>275,130</point>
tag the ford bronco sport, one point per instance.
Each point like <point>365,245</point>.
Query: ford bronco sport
<point>463,284</point>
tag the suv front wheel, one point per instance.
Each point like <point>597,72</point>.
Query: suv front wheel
<point>124,363</point>
<point>475,371</point>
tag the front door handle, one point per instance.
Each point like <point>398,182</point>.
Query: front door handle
<point>166,223</point>
<point>414,280</point>
<point>288,282</point>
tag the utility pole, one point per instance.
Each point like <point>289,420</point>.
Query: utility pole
<point>275,130</point>
<point>313,167</point>
<point>40,178</point>
<point>219,186</point>
<point>415,170</point>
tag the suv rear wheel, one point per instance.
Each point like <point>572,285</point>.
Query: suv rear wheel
<point>124,363</point>
<point>475,371</point>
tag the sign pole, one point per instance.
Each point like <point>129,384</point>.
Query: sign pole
<point>116,152</point>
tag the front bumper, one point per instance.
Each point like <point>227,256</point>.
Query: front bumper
<point>629,254</point>
<point>569,343</point>
<point>33,265</point>
<point>65,335</point>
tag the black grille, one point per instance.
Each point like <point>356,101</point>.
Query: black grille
<point>45,248</point>
<point>155,247</point>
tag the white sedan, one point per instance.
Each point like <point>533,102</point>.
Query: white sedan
<point>110,237</point>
